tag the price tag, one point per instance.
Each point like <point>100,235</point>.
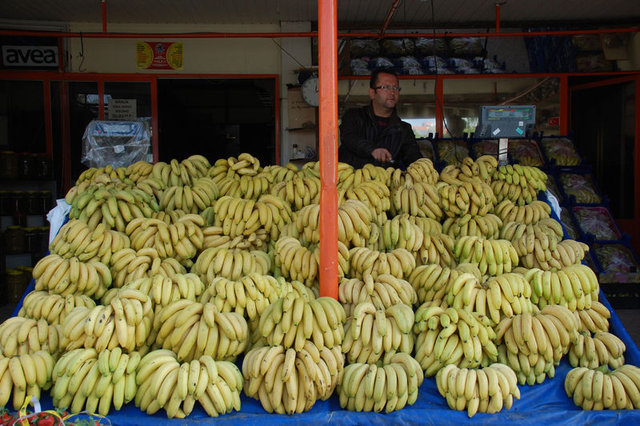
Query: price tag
<point>118,149</point>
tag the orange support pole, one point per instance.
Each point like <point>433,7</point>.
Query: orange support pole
<point>328,141</point>
<point>104,16</point>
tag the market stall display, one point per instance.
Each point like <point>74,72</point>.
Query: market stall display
<point>462,269</point>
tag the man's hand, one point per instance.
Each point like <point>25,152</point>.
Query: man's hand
<point>382,155</point>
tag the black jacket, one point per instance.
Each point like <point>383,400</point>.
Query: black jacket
<point>360,135</point>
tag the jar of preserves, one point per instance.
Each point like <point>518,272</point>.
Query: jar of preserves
<point>8,165</point>
<point>35,206</point>
<point>46,198</point>
<point>44,169</point>
<point>14,241</point>
<point>31,239</point>
<point>14,285</point>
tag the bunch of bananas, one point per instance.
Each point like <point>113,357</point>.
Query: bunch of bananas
<point>372,332</point>
<point>129,265</point>
<point>52,307</point>
<point>603,389</point>
<point>452,336</point>
<point>430,282</point>
<point>76,239</point>
<point>492,256</point>
<point>398,262</point>
<point>113,206</point>
<point>307,223</point>
<point>497,297</point>
<point>182,173</point>
<point>139,170</point>
<point>354,223</point>
<point>535,243</point>
<point>192,329</point>
<point>517,183</point>
<point>125,321</point>
<point>348,176</point>
<point>230,263</point>
<point>421,170</point>
<point>593,319</point>
<point>102,175</point>
<point>389,387</point>
<point>573,286</point>
<point>244,165</point>
<point>398,232</point>
<point>213,237</point>
<point>162,289</point>
<point>419,199</point>
<point>249,296</point>
<point>566,252</point>
<point>71,276</point>
<point>373,193</point>
<point>180,240</point>
<point>529,213</point>
<point>25,374</point>
<point>20,336</point>
<point>275,173</point>
<point>603,348</point>
<point>471,196</point>
<point>299,263</point>
<point>484,390</point>
<point>84,379</point>
<point>437,249</point>
<point>286,380</point>
<point>298,191</point>
<point>532,343</point>
<point>190,198</point>
<point>292,319</point>
<point>165,383</point>
<point>383,291</point>
<point>484,226</point>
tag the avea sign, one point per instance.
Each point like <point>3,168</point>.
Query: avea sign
<point>30,56</point>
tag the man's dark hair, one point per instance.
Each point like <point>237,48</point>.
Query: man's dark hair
<point>374,75</point>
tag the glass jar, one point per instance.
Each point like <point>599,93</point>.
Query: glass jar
<point>35,205</point>
<point>45,197</point>
<point>43,238</point>
<point>31,239</point>
<point>8,165</point>
<point>44,168</point>
<point>14,241</point>
<point>26,170</point>
<point>14,285</point>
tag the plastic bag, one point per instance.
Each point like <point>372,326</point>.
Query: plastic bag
<point>425,46</point>
<point>408,65</point>
<point>359,48</point>
<point>397,47</point>
<point>119,143</point>
<point>360,67</point>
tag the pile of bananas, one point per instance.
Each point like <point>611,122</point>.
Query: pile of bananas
<point>602,389</point>
<point>25,374</point>
<point>249,296</point>
<point>496,298</point>
<point>603,348</point>
<point>230,263</point>
<point>398,262</point>
<point>183,172</point>
<point>373,193</point>
<point>383,292</point>
<point>76,239</point>
<point>115,206</point>
<point>529,213</point>
<point>372,332</point>
<point>573,286</point>
<point>244,165</point>
<point>19,336</point>
<point>421,170</point>
<point>419,199</point>
<point>348,176</point>
<point>139,170</point>
<point>389,387</point>
<point>125,321</point>
<point>213,237</point>
<point>165,383</point>
<point>430,282</point>
<point>491,256</point>
<point>192,329</point>
<point>71,276</point>
<point>517,183</point>
<point>532,343</point>
<point>52,307</point>
<point>452,336</point>
<point>484,390</point>
<point>180,240</point>
<point>103,175</point>
<point>292,319</point>
<point>128,265</point>
<point>287,380</point>
<point>276,173</point>
<point>163,290</point>
<point>190,198</point>
<point>86,380</point>
<point>593,319</point>
<point>484,226</point>
<point>298,191</point>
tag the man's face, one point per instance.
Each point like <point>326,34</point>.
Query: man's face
<point>385,99</point>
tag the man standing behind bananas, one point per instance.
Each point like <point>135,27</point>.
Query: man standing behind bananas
<point>374,133</point>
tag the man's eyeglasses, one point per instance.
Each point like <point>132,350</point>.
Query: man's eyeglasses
<point>389,88</point>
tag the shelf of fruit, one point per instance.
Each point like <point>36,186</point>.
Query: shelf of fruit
<point>189,289</point>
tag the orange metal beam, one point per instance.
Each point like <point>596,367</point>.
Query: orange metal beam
<point>104,16</point>
<point>497,17</point>
<point>387,20</point>
<point>328,150</point>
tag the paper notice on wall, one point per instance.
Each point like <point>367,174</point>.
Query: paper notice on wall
<point>159,55</point>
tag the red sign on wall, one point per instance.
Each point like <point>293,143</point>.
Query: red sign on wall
<point>158,55</point>
<point>554,121</point>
